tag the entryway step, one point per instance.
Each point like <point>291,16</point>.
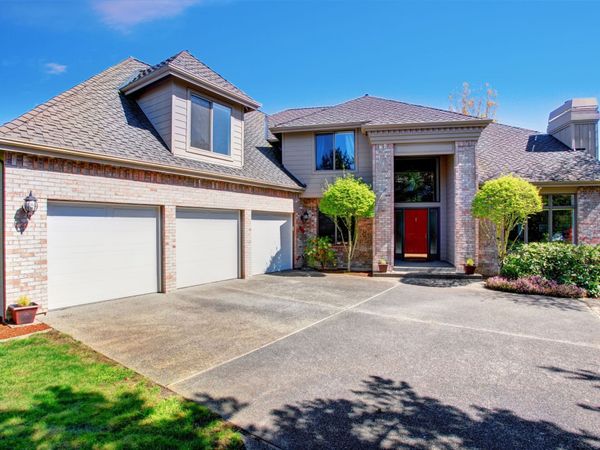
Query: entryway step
<point>441,273</point>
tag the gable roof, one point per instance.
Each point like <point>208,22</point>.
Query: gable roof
<point>184,63</point>
<point>535,156</point>
<point>96,119</point>
<point>372,111</point>
<point>288,115</point>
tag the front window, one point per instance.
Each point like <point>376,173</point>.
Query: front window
<point>328,229</point>
<point>555,223</point>
<point>335,151</point>
<point>210,126</point>
<point>415,180</point>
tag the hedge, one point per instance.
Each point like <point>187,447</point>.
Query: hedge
<point>563,263</point>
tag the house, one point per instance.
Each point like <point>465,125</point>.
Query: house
<point>153,178</point>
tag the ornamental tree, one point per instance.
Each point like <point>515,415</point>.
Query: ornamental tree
<point>346,201</point>
<point>504,203</point>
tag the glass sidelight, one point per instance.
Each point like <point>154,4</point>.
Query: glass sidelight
<point>416,233</point>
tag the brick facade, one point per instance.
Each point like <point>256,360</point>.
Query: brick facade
<point>58,179</point>
<point>383,186</point>
<point>465,187</point>
<point>588,215</point>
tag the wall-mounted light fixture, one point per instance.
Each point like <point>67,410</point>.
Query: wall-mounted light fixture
<point>30,205</point>
<point>305,216</point>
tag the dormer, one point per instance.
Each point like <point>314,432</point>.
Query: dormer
<point>198,114</point>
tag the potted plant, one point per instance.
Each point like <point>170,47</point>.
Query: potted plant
<point>469,266</point>
<point>383,265</point>
<point>23,311</point>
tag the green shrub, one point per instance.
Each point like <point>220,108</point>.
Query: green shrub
<point>564,263</point>
<point>319,252</point>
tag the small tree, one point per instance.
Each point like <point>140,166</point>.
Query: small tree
<point>347,200</point>
<point>479,102</point>
<point>504,203</point>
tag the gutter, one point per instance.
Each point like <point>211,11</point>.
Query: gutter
<point>404,126</point>
<point>333,126</point>
<point>52,151</point>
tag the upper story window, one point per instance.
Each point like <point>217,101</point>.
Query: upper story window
<point>335,151</point>
<point>416,180</point>
<point>210,127</point>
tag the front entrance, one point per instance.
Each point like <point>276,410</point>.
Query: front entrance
<point>416,234</point>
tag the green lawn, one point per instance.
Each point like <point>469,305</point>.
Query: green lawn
<point>57,393</point>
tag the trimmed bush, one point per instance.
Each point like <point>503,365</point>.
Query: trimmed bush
<point>319,252</point>
<point>535,285</point>
<point>570,264</point>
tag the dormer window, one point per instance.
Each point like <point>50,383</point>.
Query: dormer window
<point>210,126</point>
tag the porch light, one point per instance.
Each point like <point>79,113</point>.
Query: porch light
<point>30,205</point>
<point>305,216</point>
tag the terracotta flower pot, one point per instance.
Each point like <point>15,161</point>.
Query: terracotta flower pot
<point>383,267</point>
<point>469,270</point>
<point>23,314</point>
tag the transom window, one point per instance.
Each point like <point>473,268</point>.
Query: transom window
<point>328,229</point>
<point>335,151</point>
<point>210,127</point>
<point>555,223</point>
<point>416,180</point>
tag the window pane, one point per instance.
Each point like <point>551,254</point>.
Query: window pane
<point>562,225</point>
<point>433,231</point>
<point>545,200</point>
<point>326,227</point>
<point>344,151</point>
<point>200,126</point>
<point>562,200</point>
<point>221,128</point>
<point>399,232</point>
<point>324,151</point>
<point>537,227</point>
<point>415,180</point>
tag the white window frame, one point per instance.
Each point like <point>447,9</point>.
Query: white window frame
<point>210,151</point>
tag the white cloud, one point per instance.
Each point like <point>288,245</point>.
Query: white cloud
<point>124,14</point>
<point>54,68</point>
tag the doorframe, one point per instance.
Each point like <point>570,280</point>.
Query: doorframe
<point>428,208</point>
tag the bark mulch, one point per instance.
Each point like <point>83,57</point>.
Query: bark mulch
<point>7,332</point>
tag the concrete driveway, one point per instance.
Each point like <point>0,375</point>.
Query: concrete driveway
<point>340,361</point>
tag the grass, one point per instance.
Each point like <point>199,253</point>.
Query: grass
<point>57,393</point>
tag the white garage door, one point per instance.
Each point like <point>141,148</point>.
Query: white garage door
<point>100,252</point>
<point>271,242</point>
<point>207,246</point>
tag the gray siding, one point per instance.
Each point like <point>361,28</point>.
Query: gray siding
<point>298,155</point>
<point>157,104</point>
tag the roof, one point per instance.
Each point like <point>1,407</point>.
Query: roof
<point>288,115</point>
<point>368,111</point>
<point>192,66</point>
<point>535,156</point>
<point>95,117</point>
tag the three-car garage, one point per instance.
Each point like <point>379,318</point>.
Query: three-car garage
<point>101,252</point>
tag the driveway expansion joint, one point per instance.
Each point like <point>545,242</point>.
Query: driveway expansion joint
<point>268,344</point>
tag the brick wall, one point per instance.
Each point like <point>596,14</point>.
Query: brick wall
<point>57,179</point>
<point>487,256</point>
<point>465,187</point>
<point>304,230</point>
<point>383,185</point>
<point>588,215</point>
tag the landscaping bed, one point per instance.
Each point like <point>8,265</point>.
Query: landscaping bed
<point>55,392</point>
<point>8,332</point>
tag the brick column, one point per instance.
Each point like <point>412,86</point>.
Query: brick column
<point>246,243</point>
<point>465,187</point>
<point>383,185</point>
<point>169,253</point>
<point>304,230</point>
<point>588,215</point>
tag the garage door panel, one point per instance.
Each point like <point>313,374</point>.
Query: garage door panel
<point>207,246</point>
<point>271,242</point>
<point>99,253</point>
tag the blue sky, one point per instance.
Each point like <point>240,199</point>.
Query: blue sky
<point>286,54</point>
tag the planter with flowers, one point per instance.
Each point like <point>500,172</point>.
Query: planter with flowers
<point>470,266</point>
<point>24,311</point>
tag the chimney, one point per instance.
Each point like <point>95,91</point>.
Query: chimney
<point>575,124</point>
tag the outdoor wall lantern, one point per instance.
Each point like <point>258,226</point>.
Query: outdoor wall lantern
<point>305,216</point>
<point>30,205</point>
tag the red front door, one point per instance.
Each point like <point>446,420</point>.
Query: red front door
<point>415,233</point>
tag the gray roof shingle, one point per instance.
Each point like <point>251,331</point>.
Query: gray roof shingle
<point>288,115</point>
<point>535,156</point>
<point>368,110</point>
<point>96,117</point>
<point>184,60</point>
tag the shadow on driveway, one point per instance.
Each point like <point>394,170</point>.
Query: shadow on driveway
<point>383,413</point>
